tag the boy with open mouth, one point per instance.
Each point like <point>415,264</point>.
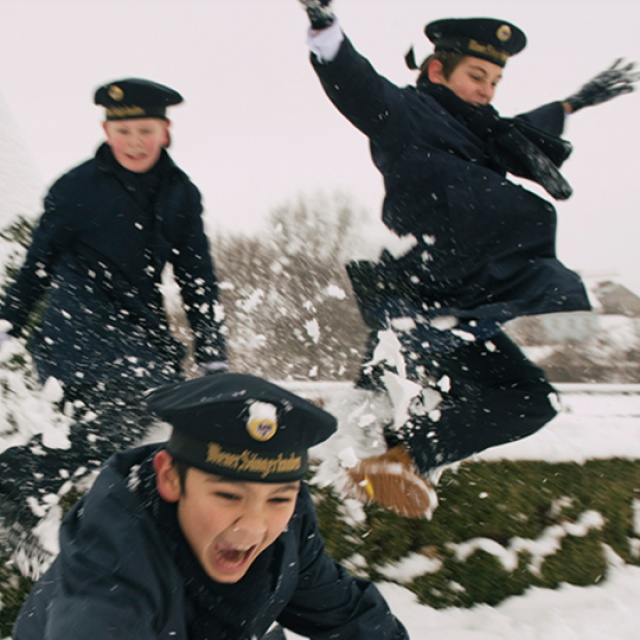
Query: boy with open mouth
<point>212,534</point>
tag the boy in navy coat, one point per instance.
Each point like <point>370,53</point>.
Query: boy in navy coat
<point>482,251</point>
<point>92,280</point>
<point>212,535</point>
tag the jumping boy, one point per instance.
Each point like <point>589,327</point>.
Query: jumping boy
<point>483,247</point>
<point>210,535</point>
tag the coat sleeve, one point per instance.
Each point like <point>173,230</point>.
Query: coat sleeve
<point>195,274</point>
<point>369,101</point>
<point>549,117</point>
<point>112,580</point>
<point>53,233</point>
<point>329,603</point>
<point>98,619</point>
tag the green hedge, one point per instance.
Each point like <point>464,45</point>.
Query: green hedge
<point>498,503</point>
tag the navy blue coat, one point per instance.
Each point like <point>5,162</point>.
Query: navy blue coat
<point>485,247</point>
<point>96,260</point>
<point>116,578</point>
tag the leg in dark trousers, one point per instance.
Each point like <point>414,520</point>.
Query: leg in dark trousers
<point>108,417</point>
<point>490,393</point>
<point>495,395</point>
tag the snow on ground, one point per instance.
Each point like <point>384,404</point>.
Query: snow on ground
<point>607,612</point>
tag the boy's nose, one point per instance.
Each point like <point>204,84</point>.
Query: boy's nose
<point>487,91</point>
<point>252,522</point>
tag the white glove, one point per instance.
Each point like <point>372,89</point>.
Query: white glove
<point>211,368</point>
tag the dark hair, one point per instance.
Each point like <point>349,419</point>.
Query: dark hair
<point>449,59</point>
<point>181,468</point>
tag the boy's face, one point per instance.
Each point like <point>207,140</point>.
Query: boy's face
<point>136,144</point>
<point>227,523</point>
<point>474,80</point>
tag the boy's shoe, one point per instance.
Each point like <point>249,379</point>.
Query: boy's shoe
<point>392,481</point>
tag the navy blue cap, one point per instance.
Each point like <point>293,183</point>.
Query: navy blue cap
<point>241,426</point>
<point>486,38</point>
<point>135,98</point>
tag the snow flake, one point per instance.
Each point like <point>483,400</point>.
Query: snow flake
<point>262,412</point>
<point>444,322</point>
<point>403,324</point>
<point>276,267</point>
<point>444,384</point>
<point>313,330</point>
<point>426,257</point>
<point>348,458</point>
<point>333,291</point>
<point>463,335</point>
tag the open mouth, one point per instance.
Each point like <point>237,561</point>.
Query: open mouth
<point>231,558</point>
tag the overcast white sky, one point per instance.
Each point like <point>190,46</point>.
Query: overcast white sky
<point>256,129</point>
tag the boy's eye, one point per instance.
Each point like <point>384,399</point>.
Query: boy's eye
<point>280,500</point>
<point>226,495</point>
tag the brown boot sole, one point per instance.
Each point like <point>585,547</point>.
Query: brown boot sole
<point>394,486</point>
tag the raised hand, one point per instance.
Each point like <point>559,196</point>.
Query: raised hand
<point>617,80</point>
<point>319,12</point>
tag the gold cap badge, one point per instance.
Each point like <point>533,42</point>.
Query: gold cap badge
<point>116,93</point>
<point>503,33</point>
<point>262,423</point>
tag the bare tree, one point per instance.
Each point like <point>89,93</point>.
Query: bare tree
<point>289,307</point>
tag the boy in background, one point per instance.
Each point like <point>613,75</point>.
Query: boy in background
<point>92,280</point>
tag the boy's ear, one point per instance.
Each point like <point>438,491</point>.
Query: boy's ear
<point>167,479</point>
<point>435,72</point>
<point>167,139</point>
<point>106,129</point>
